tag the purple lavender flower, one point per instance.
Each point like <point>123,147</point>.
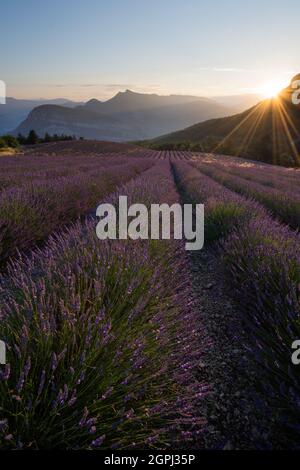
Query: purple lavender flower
<point>98,442</point>
<point>42,382</point>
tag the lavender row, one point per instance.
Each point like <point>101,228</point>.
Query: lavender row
<point>103,340</point>
<point>284,180</point>
<point>30,213</point>
<point>262,260</point>
<point>283,204</point>
<point>20,170</point>
<point>224,209</point>
<point>265,170</point>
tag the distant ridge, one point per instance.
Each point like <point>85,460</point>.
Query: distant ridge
<point>16,110</point>
<point>78,121</point>
<point>132,101</point>
<point>126,116</point>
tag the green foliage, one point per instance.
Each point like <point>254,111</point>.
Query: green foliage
<point>32,138</point>
<point>222,216</point>
<point>21,139</point>
<point>286,159</point>
<point>10,141</point>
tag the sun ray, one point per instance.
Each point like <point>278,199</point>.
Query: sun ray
<point>275,133</point>
<point>289,119</point>
<point>236,128</point>
<point>251,132</point>
<point>288,133</point>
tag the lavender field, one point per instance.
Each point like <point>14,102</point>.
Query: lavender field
<point>134,344</point>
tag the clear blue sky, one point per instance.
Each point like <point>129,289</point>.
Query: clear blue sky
<point>93,48</point>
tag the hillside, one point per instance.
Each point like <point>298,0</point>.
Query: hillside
<point>269,131</point>
<point>126,116</point>
<point>78,121</point>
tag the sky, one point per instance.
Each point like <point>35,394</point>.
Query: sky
<point>94,48</point>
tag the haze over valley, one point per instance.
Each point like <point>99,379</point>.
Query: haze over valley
<point>126,116</point>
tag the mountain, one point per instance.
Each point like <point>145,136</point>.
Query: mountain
<point>77,121</point>
<point>126,116</point>
<point>269,131</point>
<point>129,101</point>
<point>15,111</point>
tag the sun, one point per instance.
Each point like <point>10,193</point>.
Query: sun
<point>272,89</point>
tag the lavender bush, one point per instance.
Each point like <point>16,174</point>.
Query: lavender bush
<point>284,204</point>
<point>20,170</point>
<point>287,182</point>
<point>262,261</point>
<point>103,340</point>
<point>30,213</point>
<point>224,210</point>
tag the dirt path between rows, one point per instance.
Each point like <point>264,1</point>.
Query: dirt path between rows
<point>231,410</point>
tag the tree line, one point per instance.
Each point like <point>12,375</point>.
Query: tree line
<point>32,138</point>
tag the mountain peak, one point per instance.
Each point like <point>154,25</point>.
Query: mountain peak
<point>93,101</point>
<point>128,93</point>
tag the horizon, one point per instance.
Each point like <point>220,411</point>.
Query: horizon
<point>51,48</point>
<point>45,98</point>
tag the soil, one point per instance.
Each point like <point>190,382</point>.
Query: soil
<point>233,417</point>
